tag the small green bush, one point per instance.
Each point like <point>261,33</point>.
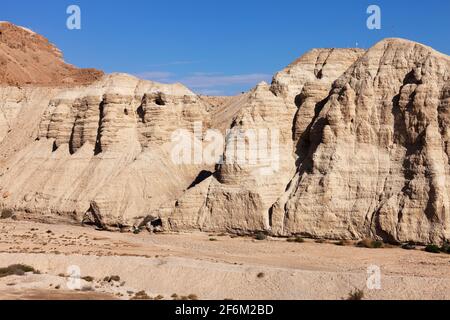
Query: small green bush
<point>377,244</point>
<point>446,247</point>
<point>432,248</point>
<point>260,236</point>
<point>409,246</point>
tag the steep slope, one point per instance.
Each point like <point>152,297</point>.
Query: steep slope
<point>371,151</point>
<point>344,144</point>
<point>239,197</point>
<point>106,145</point>
<point>29,58</point>
<point>376,156</point>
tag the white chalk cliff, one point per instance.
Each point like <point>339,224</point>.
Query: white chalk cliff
<point>364,150</point>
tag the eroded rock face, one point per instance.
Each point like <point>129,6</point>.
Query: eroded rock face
<point>105,145</point>
<point>376,161</point>
<point>360,149</point>
<point>370,151</point>
<point>240,195</point>
<point>27,58</point>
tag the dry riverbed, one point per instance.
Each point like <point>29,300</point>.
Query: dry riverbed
<point>202,266</point>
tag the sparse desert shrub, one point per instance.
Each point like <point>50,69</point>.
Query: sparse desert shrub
<point>115,278</point>
<point>88,278</point>
<point>296,239</point>
<point>111,279</point>
<point>189,297</point>
<point>87,288</point>
<point>159,297</point>
<point>410,245</point>
<point>16,269</point>
<point>432,248</point>
<point>319,241</point>
<point>261,275</point>
<point>343,243</point>
<point>212,239</point>
<point>446,247</point>
<point>370,243</point>
<point>261,236</point>
<point>356,294</point>
<point>141,295</point>
<point>6,214</point>
<point>377,244</point>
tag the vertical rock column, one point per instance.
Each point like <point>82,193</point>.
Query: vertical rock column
<point>86,124</point>
<point>117,131</point>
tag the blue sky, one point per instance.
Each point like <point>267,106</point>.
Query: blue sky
<point>220,47</point>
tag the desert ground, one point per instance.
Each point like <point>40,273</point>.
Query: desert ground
<point>206,266</point>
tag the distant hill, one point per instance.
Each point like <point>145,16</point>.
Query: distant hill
<point>29,58</point>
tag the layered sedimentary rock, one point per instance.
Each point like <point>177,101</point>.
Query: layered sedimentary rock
<point>375,157</point>
<point>371,152</point>
<point>240,195</point>
<point>106,145</point>
<point>344,144</point>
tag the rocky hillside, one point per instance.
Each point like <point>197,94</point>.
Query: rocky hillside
<point>27,58</point>
<point>362,139</point>
<point>369,151</point>
<point>106,145</point>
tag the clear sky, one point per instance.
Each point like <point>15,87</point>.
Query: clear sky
<point>221,47</point>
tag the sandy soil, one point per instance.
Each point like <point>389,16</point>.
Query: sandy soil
<point>227,268</point>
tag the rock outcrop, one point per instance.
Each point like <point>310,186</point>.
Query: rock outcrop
<point>371,152</point>
<point>106,145</point>
<point>344,144</point>
<point>375,159</point>
<point>240,195</point>
<point>27,58</point>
